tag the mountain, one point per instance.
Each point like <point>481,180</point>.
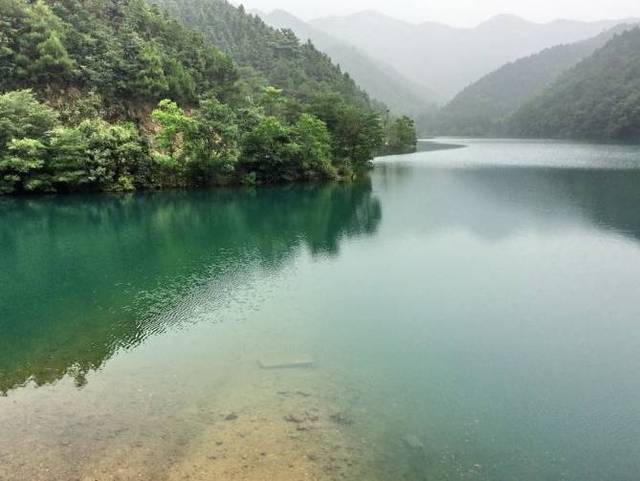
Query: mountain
<point>380,80</point>
<point>597,99</point>
<point>483,108</point>
<point>447,59</point>
<point>277,56</point>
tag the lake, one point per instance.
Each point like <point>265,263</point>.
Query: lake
<point>471,314</point>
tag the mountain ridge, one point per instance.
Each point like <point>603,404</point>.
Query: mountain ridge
<point>447,59</point>
<point>381,81</point>
<point>597,99</point>
<point>484,108</point>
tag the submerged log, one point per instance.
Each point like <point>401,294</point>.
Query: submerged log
<point>286,363</point>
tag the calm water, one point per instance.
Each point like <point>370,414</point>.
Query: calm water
<point>473,314</point>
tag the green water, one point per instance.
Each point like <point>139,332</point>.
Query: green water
<point>472,314</point>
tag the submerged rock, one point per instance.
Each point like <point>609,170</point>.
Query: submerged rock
<point>412,441</point>
<point>341,418</point>
<point>292,418</point>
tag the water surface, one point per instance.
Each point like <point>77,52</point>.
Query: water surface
<point>472,313</point>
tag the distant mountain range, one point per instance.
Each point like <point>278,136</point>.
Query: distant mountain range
<point>445,59</point>
<point>382,81</point>
<point>485,107</point>
<point>507,76</point>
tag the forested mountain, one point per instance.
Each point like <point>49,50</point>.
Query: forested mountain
<point>484,108</point>
<point>447,59</point>
<point>597,99</point>
<point>114,95</point>
<point>379,79</point>
<point>276,55</point>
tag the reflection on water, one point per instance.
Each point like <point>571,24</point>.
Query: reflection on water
<point>483,328</point>
<point>84,276</point>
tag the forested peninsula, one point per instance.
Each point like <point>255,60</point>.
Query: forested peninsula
<point>118,95</point>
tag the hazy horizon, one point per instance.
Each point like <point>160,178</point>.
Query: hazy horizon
<point>457,13</point>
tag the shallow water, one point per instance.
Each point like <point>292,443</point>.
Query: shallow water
<point>472,314</point>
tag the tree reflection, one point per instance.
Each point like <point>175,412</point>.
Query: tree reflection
<point>73,270</point>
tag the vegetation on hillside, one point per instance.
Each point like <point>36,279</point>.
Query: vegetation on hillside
<point>485,107</point>
<point>276,57</point>
<point>598,99</point>
<point>113,95</point>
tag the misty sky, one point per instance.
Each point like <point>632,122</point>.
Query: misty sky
<point>458,12</point>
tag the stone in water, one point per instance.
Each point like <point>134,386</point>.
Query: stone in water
<point>413,442</point>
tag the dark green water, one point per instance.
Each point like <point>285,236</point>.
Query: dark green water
<point>473,314</point>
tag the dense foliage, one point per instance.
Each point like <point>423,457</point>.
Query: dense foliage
<point>485,107</point>
<point>113,95</point>
<point>275,55</point>
<point>124,52</point>
<point>597,99</point>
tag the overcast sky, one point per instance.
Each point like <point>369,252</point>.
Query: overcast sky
<point>457,12</point>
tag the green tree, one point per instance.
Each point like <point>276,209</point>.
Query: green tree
<point>401,136</point>
<point>22,116</point>
<point>314,147</point>
<point>151,80</point>
<point>212,144</point>
<point>68,160</point>
<point>117,157</point>
<point>53,63</point>
<point>21,168</point>
<point>357,133</point>
<point>175,125</point>
<point>268,151</point>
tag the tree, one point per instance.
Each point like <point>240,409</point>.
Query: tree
<point>150,79</point>
<point>212,144</point>
<point>68,160</point>
<point>357,133</point>
<point>53,64</point>
<point>268,152</point>
<point>401,137</point>
<point>22,116</point>
<point>174,126</point>
<point>117,157</point>
<point>314,141</point>
<point>21,169</point>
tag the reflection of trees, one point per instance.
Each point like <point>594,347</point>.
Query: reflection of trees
<point>72,267</point>
<point>496,202</point>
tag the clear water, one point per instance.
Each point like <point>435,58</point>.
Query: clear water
<point>473,314</point>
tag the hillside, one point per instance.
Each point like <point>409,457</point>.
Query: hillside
<point>483,108</point>
<point>277,56</point>
<point>598,99</point>
<point>116,96</point>
<point>124,53</point>
<point>380,80</point>
<point>447,59</point>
